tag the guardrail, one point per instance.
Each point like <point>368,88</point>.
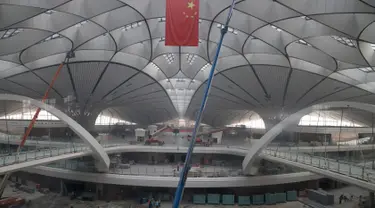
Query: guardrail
<point>338,166</point>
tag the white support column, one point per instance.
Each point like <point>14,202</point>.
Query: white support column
<point>99,154</point>
<point>294,119</point>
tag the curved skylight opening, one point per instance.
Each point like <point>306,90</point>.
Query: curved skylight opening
<point>11,32</point>
<point>326,118</point>
<point>345,41</point>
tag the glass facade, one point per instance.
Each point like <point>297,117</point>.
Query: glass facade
<point>108,120</point>
<point>326,119</point>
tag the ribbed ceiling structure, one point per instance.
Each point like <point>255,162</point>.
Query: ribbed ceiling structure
<point>279,54</point>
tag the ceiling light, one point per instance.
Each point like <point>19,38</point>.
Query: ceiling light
<point>190,58</point>
<point>169,58</point>
<point>373,46</point>
<point>306,17</point>
<point>276,28</point>
<point>81,23</point>
<point>55,36</point>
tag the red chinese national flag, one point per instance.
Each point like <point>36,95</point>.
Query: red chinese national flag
<point>182,23</point>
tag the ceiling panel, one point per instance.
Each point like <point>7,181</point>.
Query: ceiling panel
<point>274,79</point>
<point>62,84</point>
<point>134,83</point>
<point>33,82</point>
<point>12,87</point>
<point>324,88</point>
<point>85,76</point>
<point>300,82</point>
<point>113,77</point>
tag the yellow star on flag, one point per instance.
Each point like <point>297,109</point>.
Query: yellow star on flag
<point>191,5</point>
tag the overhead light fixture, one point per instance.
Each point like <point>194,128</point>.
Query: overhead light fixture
<point>169,58</point>
<point>154,65</point>
<point>306,17</point>
<point>190,58</point>
<point>230,29</point>
<point>276,28</point>
<point>205,66</point>
<point>132,26</point>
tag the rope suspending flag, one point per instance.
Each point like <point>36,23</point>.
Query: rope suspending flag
<point>182,23</point>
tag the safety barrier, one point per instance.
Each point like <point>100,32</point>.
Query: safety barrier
<point>259,199</point>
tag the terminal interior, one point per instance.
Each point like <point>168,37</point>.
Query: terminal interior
<point>96,110</point>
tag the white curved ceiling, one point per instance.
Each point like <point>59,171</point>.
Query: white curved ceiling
<point>279,54</point>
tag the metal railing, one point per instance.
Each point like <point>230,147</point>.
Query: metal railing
<point>338,166</point>
<point>153,170</point>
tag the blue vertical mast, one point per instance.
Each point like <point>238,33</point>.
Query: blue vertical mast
<point>186,168</point>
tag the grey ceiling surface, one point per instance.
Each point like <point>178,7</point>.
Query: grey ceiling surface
<point>279,54</point>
